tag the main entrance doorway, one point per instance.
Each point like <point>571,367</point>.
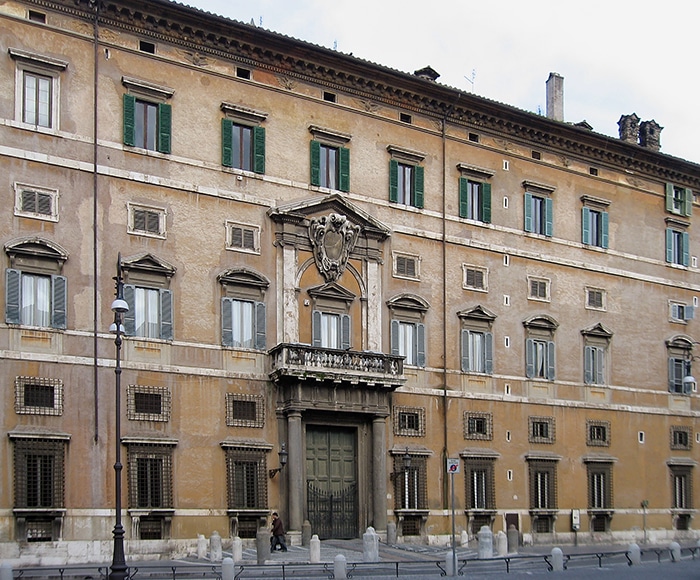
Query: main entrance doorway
<point>331,481</point>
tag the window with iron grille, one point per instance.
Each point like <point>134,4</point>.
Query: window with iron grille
<point>541,429</point>
<point>598,433</point>
<point>38,396</point>
<point>411,525</point>
<point>245,410</point>
<point>543,484</point>
<point>478,426</point>
<point>409,421</point>
<point>410,484</point>
<point>479,481</point>
<point>146,403</point>
<point>681,438</point>
<point>474,277</point>
<point>246,478</point>
<point>681,485</point>
<point>600,485</point>
<point>150,476</point>
<point>242,237</point>
<point>39,473</point>
<point>151,528</point>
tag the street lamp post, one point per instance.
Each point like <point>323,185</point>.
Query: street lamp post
<point>119,569</point>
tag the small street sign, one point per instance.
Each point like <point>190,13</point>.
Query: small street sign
<point>453,466</point>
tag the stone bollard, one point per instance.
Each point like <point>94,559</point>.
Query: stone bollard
<point>464,538</point>
<point>6,571</point>
<point>305,533</point>
<point>513,539</point>
<point>340,567</point>
<point>635,554</point>
<point>201,547</point>
<point>314,549</point>
<point>675,549</point>
<point>501,543</point>
<point>228,569</point>
<point>370,545</point>
<point>391,533</point>
<point>557,560</point>
<point>215,550</point>
<point>262,544</point>
<point>451,566</point>
<point>237,549</point>
<point>485,537</point>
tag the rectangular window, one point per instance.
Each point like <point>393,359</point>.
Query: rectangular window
<point>38,396</point>
<point>150,476</point>
<point>681,438</point>
<point>477,351</point>
<point>538,289</point>
<point>150,312</point>
<point>331,330</point>
<point>598,433</point>
<point>242,237</point>
<point>681,482</point>
<point>37,99</point>
<point>480,486</point>
<point>35,202</point>
<point>680,312</point>
<point>543,484</point>
<point>35,300</point>
<point>406,184</point>
<point>406,266</point>
<point>410,483</point>
<point>144,220</point>
<point>599,486</point>
<point>146,124</point>
<point>677,371</point>
<point>541,429</point>
<point>478,426</point>
<point>39,473</point>
<point>595,298</point>
<point>242,146</point>
<point>408,341</point>
<point>474,278</point>
<point>679,200</point>
<point>409,421</point>
<point>246,478</point>
<point>677,247</point>
<point>145,403</point>
<point>245,410</point>
<point>474,200</point>
<point>594,227</point>
<point>538,214</point>
<point>330,166</point>
<point>594,365</point>
<point>540,359</point>
<point>243,323</point>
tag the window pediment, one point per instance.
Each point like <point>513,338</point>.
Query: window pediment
<point>405,155</point>
<point>542,321</point>
<point>37,59</point>
<point>681,342</point>
<point>537,187</point>
<point>329,135</point>
<point>408,302</point>
<point>598,330</point>
<point>147,89</point>
<point>243,114</point>
<point>331,291</point>
<point>474,171</point>
<point>243,277</point>
<point>149,263</point>
<point>36,254</point>
<point>478,312</point>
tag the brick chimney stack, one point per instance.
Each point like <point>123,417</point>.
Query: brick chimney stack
<point>555,96</point>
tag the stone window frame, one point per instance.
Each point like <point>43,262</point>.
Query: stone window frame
<point>597,340</point>
<point>257,422</point>
<point>165,403</point>
<point>21,383</point>
<point>544,192</point>
<point>161,213</point>
<point>476,175</point>
<point>676,307</point>
<point>600,206</point>
<point>472,433</point>
<point>478,320</point>
<point>674,439</point>
<point>603,299</point>
<point>323,137</point>
<point>413,159</point>
<point>140,448</point>
<point>551,430</point>
<point>237,115</point>
<point>407,258</point>
<point>591,441</point>
<point>540,328</point>
<point>52,194</point>
<point>419,477</point>
<point>249,452</point>
<point>154,94</point>
<point>253,232</point>
<point>484,271</point>
<point>678,468</point>
<point>405,431</point>
<point>479,461</point>
<point>546,283</point>
<point>679,350</point>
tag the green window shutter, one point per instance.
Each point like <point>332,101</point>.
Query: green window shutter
<point>528,212</point>
<point>129,119</point>
<point>259,149</point>
<point>315,163</point>
<point>227,142</point>
<point>58,302</point>
<point>227,321</point>
<point>529,358</point>
<point>551,361</point>
<point>418,172</point>
<point>345,332</point>
<point>13,305</point>
<point>585,225</point>
<point>260,326</point>
<point>587,360</point>
<point>463,197</point>
<point>166,314</point>
<point>420,344</point>
<point>395,337</point>
<point>604,229</point>
<point>316,328</point>
<point>549,217</point>
<point>393,180</point>
<point>486,202</point>
<point>687,201</point>
<point>685,250</point>
<point>165,115</point>
<point>669,197</point>
<point>465,350</point>
<point>344,169</point>
<point>488,353</point>
<point>129,318</point>
<point>669,245</point>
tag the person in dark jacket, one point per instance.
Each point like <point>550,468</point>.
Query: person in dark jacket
<point>277,538</point>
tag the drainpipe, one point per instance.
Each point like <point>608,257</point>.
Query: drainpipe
<point>94,4</point>
<point>443,470</point>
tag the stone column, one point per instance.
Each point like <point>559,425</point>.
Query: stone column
<point>287,308</point>
<point>295,471</point>
<point>379,473</point>
<point>374,307</point>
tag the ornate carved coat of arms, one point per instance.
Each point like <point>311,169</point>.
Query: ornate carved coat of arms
<point>332,237</point>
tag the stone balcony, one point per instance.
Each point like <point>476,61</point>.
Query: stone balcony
<point>368,369</point>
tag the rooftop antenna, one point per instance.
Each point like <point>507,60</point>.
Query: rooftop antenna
<point>335,45</point>
<point>260,22</point>
<point>471,80</point>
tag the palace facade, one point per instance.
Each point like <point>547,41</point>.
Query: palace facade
<point>339,276</point>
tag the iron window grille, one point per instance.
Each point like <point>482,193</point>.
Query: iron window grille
<point>681,438</point>
<point>600,488</point>
<point>246,478</point>
<point>682,488</point>
<point>409,421</point>
<point>478,426</point>
<point>146,403</point>
<point>541,430</point>
<point>411,484</point>
<point>543,484</point>
<point>38,396</point>
<point>39,473</point>
<point>480,488</point>
<point>245,410</point>
<point>598,433</point>
<point>150,476</point>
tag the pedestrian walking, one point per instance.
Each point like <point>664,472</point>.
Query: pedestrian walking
<point>277,538</point>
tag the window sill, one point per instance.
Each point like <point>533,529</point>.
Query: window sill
<point>143,512</point>
<point>412,512</point>
<point>480,512</point>
<point>27,512</point>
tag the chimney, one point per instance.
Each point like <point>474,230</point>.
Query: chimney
<point>650,135</point>
<point>629,128</point>
<point>555,97</point>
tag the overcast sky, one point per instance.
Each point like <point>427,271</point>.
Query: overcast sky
<point>616,56</point>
